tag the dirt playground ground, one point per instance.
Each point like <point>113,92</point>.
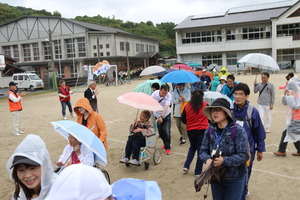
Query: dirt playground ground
<point>273,178</point>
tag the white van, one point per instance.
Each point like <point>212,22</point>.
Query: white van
<point>28,81</point>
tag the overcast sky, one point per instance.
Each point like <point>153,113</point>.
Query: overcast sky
<point>156,11</point>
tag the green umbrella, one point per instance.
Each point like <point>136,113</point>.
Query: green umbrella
<point>145,87</point>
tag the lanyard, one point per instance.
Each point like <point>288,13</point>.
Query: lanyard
<point>219,138</point>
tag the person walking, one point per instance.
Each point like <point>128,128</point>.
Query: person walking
<point>181,96</point>
<point>248,117</point>
<point>229,86</point>
<point>15,107</point>
<point>90,119</point>
<point>163,117</point>
<point>196,124</point>
<point>91,94</point>
<point>205,78</point>
<point>64,93</point>
<point>291,98</point>
<point>266,99</point>
<point>230,140</point>
<point>199,85</point>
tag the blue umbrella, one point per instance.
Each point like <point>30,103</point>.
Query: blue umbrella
<point>83,135</point>
<point>167,70</point>
<point>180,76</point>
<point>145,87</point>
<point>136,189</point>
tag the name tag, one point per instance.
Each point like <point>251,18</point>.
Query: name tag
<point>214,152</point>
<point>241,123</point>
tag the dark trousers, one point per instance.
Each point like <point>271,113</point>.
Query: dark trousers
<point>133,146</point>
<point>283,145</point>
<point>195,137</point>
<point>63,105</point>
<point>164,130</point>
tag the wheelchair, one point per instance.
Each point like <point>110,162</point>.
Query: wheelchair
<point>147,153</point>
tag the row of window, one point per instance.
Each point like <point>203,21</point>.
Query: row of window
<point>201,37</point>
<point>31,51</point>
<point>101,46</point>
<point>102,54</point>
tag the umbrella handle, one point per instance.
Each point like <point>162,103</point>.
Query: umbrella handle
<point>137,114</point>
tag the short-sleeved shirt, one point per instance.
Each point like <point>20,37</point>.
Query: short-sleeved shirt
<point>166,100</point>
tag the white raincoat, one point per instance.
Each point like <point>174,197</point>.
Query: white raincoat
<point>34,148</point>
<point>292,100</point>
<point>80,182</point>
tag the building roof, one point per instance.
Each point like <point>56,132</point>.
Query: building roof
<point>247,14</point>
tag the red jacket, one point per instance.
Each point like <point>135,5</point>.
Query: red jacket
<point>65,92</point>
<point>195,121</point>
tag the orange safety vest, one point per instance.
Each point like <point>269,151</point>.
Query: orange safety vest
<point>14,106</point>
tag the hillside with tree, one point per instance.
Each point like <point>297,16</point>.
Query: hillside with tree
<point>163,31</point>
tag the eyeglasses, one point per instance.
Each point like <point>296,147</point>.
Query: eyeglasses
<point>216,110</point>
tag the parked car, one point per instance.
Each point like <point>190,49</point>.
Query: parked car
<point>28,81</point>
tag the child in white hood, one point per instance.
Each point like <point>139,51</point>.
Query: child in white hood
<point>31,169</point>
<point>75,153</point>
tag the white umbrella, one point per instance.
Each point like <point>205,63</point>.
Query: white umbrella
<point>152,70</point>
<point>210,97</point>
<point>260,61</point>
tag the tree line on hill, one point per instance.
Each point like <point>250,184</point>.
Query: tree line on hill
<point>163,31</point>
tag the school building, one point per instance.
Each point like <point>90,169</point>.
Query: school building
<point>272,29</point>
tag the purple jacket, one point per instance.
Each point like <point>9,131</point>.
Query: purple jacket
<point>257,134</point>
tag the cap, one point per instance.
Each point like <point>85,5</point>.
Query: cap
<point>23,160</point>
<point>218,103</point>
<point>12,83</point>
<point>224,77</point>
<point>203,70</point>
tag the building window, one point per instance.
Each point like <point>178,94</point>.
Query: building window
<point>37,71</point>
<point>95,54</point>
<point>256,33</point>
<point>107,46</point>
<point>122,46</point>
<point>81,47</point>
<point>107,53</point>
<point>73,70</point>
<point>101,46</point>
<point>70,48</point>
<point>94,47</point>
<point>101,54</point>
<point>36,53</point>
<point>142,48</point>
<point>202,37</point>
<point>61,71</point>
<point>47,53</point>
<point>16,53</point>
<point>137,46</point>
<point>285,57</point>
<point>230,35</point>
<point>288,30</point>
<point>208,59</point>
<point>7,51</point>
<point>26,52</point>
<point>57,49</point>
<point>231,58</point>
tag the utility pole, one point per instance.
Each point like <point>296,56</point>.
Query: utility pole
<point>128,67</point>
<point>54,84</point>
<point>98,49</point>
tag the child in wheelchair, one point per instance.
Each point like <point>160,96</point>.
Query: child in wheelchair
<point>136,139</point>
<point>75,153</point>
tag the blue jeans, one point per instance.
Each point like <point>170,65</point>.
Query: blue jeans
<point>63,105</point>
<point>195,137</point>
<point>164,130</point>
<point>228,189</point>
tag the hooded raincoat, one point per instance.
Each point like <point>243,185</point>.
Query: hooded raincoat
<point>292,100</point>
<point>215,84</point>
<point>34,148</point>
<point>94,121</point>
<point>80,182</point>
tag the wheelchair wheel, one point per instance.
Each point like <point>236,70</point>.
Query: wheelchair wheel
<point>157,156</point>
<point>106,175</point>
<point>146,165</point>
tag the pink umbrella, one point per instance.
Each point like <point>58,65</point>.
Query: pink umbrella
<point>139,100</point>
<point>183,67</point>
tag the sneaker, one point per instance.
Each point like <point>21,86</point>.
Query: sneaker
<point>168,151</point>
<point>248,193</point>
<point>134,162</point>
<point>267,130</point>
<point>185,170</point>
<point>163,147</point>
<point>65,118</point>
<point>197,175</point>
<point>296,154</point>
<point>21,132</point>
<point>73,115</point>
<point>180,139</point>
<point>16,134</point>
<point>182,142</point>
<point>124,160</point>
<point>280,154</point>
